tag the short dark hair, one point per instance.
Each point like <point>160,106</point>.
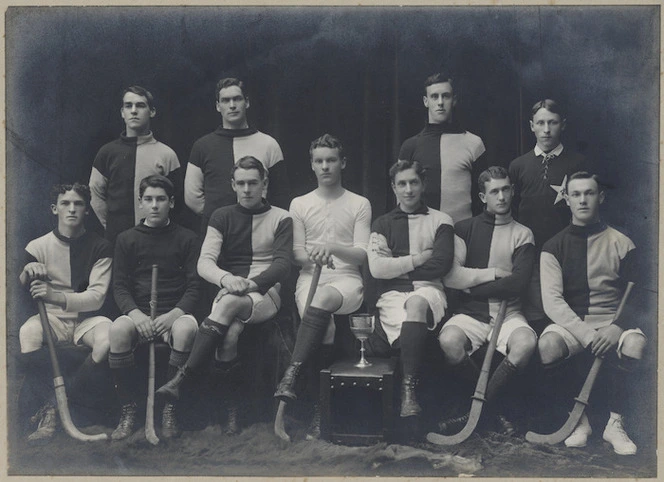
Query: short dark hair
<point>142,91</point>
<point>156,180</point>
<point>249,162</point>
<point>401,166</point>
<point>329,141</point>
<point>438,78</point>
<point>493,172</point>
<point>229,82</point>
<point>584,175</point>
<point>81,189</point>
<point>550,105</point>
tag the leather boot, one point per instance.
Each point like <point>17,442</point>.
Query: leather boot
<point>47,419</point>
<point>409,405</point>
<point>169,424</point>
<point>127,422</point>
<point>171,390</point>
<point>286,389</point>
<point>454,425</point>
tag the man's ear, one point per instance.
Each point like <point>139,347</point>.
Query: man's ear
<point>343,163</point>
<point>246,101</point>
<point>532,126</point>
<point>266,181</point>
<point>482,197</point>
<point>171,202</point>
<point>54,209</point>
<point>454,101</point>
<point>563,124</point>
<point>602,196</point>
<point>233,185</point>
<point>425,99</point>
<point>153,112</point>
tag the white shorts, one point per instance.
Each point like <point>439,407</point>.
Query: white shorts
<point>479,332</point>
<point>69,331</point>
<point>166,336</point>
<point>350,287</point>
<point>573,345</point>
<point>263,307</point>
<point>392,309</point>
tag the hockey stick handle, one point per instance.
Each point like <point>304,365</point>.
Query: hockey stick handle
<point>46,327</point>
<point>314,285</point>
<point>483,379</point>
<point>149,411</point>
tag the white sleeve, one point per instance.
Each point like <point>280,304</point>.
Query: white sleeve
<point>207,261</point>
<point>94,295</point>
<point>459,277</point>
<point>194,196</point>
<point>381,264</point>
<point>362,227</point>
<point>98,185</point>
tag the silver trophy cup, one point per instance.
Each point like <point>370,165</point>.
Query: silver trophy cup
<point>362,325</point>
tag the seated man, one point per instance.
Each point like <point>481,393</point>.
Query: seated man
<point>499,254</point>
<point>247,252</point>
<point>584,270</point>
<point>69,269</point>
<point>331,229</point>
<point>411,248</point>
<point>174,249</point>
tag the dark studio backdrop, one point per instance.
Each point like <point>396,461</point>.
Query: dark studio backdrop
<point>353,72</point>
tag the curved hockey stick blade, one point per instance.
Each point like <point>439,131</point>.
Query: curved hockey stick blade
<point>468,429</point>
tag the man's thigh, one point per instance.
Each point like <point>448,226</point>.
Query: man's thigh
<point>350,287</point>
<point>263,307</point>
<point>87,326</point>
<point>476,331</point>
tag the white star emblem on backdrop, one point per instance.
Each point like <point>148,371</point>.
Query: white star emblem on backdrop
<point>560,190</point>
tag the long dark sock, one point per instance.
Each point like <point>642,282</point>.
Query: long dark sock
<point>37,365</point>
<point>413,337</point>
<point>467,370</point>
<point>619,374</point>
<point>82,375</point>
<point>500,378</point>
<point>310,334</point>
<point>123,366</point>
<point>209,335</point>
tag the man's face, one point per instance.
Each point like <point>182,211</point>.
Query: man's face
<point>156,205</point>
<point>408,188</point>
<point>248,186</point>
<point>327,165</point>
<point>70,209</point>
<point>547,128</point>
<point>440,101</point>
<point>583,198</point>
<point>497,196</point>
<point>232,105</point>
<point>136,114</point>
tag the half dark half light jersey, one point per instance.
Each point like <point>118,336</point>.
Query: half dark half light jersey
<point>254,244</point>
<point>584,272</point>
<point>80,268</point>
<point>490,242</point>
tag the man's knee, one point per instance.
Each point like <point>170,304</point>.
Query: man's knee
<point>452,341</point>
<point>31,335</point>
<point>184,328</point>
<point>328,299</point>
<point>416,309</point>
<point>101,343</point>
<point>521,346</point>
<point>633,346</point>
<point>122,331</point>
<point>228,308</point>
<point>552,348</point>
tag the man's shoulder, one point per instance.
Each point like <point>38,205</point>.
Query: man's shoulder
<point>41,240</point>
<point>557,240</point>
<point>110,147</point>
<point>184,232</point>
<point>523,233</point>
<point>279,213</point>
<point>620,237</point>
<point>439,217</point>
<point>522,159</point>
<point>97,241</point>
<point>356,198</point>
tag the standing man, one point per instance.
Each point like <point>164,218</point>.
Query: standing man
<point>206,183</point>
<point>448,152</point>
<point>331,229</point>
<point>499,254</point>
<point>174,249</point>
<point>411,248</point>
<point>539,178</point>
<point>69,269</point>
<point>121,164</point>
<point>585,269</point>
<point>247,253</point>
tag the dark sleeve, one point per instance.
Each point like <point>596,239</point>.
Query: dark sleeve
<point>192,292</point>
<point>479,166</point>
<point>282,258</point>
<point>516,199</point>
<point>407,148</point>
<point>122,261</point>
<point>29,258</point>
<point>629,317</point>
<point>278,190</point>
<point>515,284</point>
<point>441,259</point>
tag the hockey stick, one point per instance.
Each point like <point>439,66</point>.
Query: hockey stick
<point>582,400</point>
<point>480,389</point>
<point>59,384</point>
<point>150,434</point>
<point>279,426</point>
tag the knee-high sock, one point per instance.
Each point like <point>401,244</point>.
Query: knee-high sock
<point>501,376</point>
<point>209,335</point>
<point>37,365</point>
<point>176,360</point>
<point>84,376</point>
<point>123,366</point>
<point>618,377</point>
<point>467,370</point>
<point>412,339</point>
<point>310,334</point>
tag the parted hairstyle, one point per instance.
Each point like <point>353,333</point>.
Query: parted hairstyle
<point>550,105</point>
<point>493,172</point>
<point>438,78</point>
<point>229,82</point>
<point>156,180</point>
<point>584,175</point>
<point>401,166</point>
<point>329,141</point>
<point>81,189</point>
<point>249,162</point>
<point>142,91</point>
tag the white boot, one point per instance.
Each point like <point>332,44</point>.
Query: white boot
<point>615,434</point>
<point>579,437</point>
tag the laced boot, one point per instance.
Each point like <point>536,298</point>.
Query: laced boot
<point>171,390</point>
<point>47,423</point>
<point>127,422</point>
<point>579,437</point>
<point>233,423</point>
<point>286,389</point>
<point>313,432</point>
<point>505,426</point>
<point>409,405</point>
<point>169,423</point>
<point>454,425</point>
<point>615,434</point>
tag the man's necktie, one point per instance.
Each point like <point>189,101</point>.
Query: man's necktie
<point>546,159</point>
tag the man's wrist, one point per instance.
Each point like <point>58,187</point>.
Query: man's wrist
<point>221,280</point>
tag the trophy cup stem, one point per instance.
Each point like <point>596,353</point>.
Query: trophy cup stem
<point>363,361</point>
